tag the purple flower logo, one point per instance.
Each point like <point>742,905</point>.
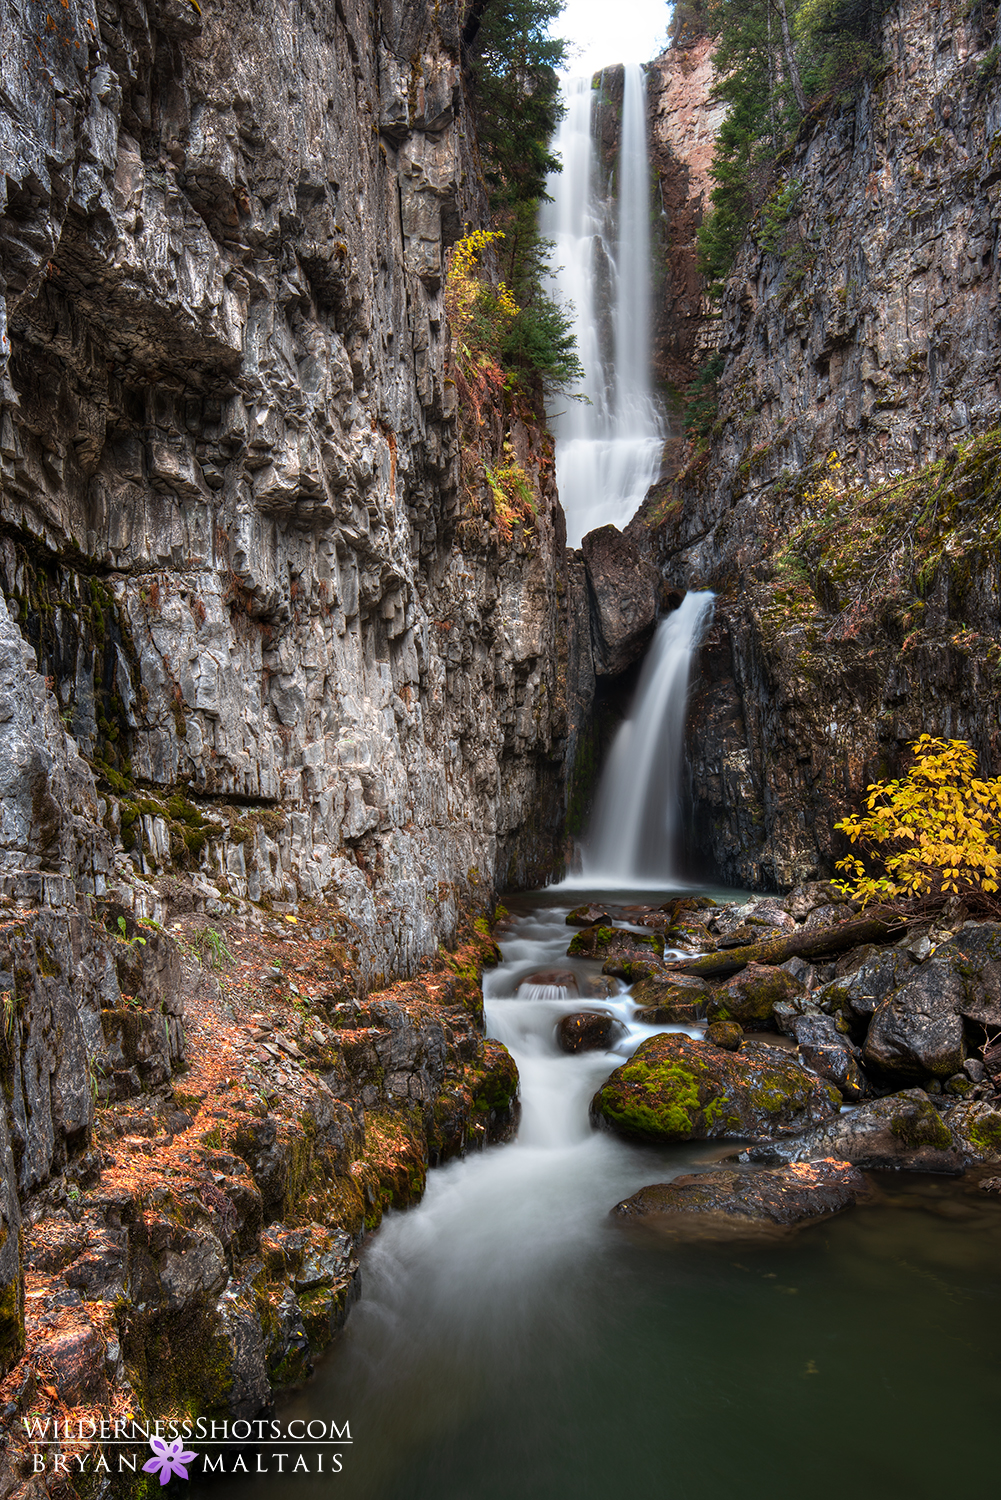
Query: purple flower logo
<point>169,1459</point>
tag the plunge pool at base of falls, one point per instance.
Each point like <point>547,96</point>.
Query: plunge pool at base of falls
<point>512,1343</point>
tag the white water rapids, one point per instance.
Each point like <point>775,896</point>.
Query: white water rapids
<point>608,449</point>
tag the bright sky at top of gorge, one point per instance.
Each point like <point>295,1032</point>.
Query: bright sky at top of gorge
<point>602,33</point>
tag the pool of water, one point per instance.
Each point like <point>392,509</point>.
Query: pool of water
<point>513,1343</point>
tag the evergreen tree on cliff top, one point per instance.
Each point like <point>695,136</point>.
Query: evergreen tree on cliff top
<point>512,62</point>
<point>775,62</point>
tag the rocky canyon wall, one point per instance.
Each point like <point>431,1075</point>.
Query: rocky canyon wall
<point>267,657</point>
<point>844,505</point>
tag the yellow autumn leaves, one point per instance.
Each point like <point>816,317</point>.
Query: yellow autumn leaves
<point>935,831</point>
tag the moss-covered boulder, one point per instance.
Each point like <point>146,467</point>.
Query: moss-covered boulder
<point>676,1089</point>
<point>725,1034</point>
<point>675,1001</point>
<point>975,1126</point>
<point>751,996</point>
<point>608,942</point>
<point>726,1203</point>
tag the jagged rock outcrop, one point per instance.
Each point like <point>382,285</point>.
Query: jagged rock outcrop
<point>845,627</point>
<point>684,120</point>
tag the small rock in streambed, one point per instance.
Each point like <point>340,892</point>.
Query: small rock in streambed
<point>600,987</point>
<point>727,1203</point>
<point>725,1034</point>
<point>589,916</point>
<point>588,1031</point>
<point>826,1050</point>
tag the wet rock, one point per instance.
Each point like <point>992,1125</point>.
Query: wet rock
<point>663,1001</point>
<point>624,592</point>
<point>918,1029</point>
<point>902,1130</point>
<point>725,1034</point>
<point>587,1031</point>
<point>805,898</point>
<point>601,987</point>
<point>726,1202</point>
<point>859,992</point>
<point>589,916</point>
<point>975,1125</point>
<point>552,979</point>
<point>495,1091</point>
<point>751,996</point>
<point>827,1051</point>
<point>240,1353</point>
<point>676,1089</point>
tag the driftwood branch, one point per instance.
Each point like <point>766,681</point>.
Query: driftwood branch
<point>876,926</point>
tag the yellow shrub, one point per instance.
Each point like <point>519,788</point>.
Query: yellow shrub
<point>935,830</point>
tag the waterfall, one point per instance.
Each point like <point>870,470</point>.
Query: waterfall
<point>634,828</point>
<point>608,449</point>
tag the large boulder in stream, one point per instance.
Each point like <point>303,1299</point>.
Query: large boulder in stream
<point>918,1030</point>
<point>859,991</point>
<point>624,594</point>
<point>728,1204</point>
<point>677,1089</point>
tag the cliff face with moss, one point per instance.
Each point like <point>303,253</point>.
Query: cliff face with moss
<point>843,504</point>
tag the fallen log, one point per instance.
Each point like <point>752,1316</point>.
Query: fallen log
<point>877,926</point>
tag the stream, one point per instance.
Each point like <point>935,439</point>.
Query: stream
<point>512,1343</point>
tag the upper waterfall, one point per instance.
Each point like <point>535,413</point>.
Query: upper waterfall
<point>608,448</point>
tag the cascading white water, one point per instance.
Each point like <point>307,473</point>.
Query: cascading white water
<point>634,828</point>
<point>608,450</point>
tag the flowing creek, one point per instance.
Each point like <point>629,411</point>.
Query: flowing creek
<point>513,1344</point>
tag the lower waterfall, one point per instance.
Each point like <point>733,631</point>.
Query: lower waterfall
<point>633,833</point>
